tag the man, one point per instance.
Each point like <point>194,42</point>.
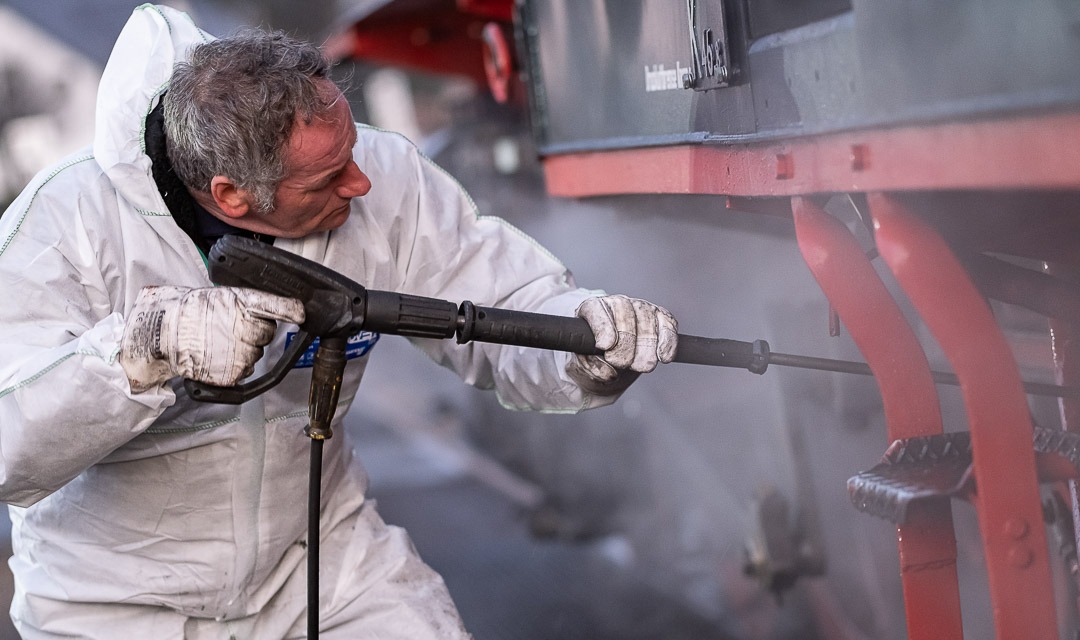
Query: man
<point>141,514</point>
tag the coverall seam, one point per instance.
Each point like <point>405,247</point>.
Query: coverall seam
<point>585,403</point>
<point>220,423</point>
<point>34,378</point>
<point>150,7</point>
<point>154,214</point>
<point>291,415</point>
<point>192,429</point>
<point>26,211</point>
<point>147,6</point>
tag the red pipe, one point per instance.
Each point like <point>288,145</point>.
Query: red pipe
<point>926,542</point>
<point>1008,504</point>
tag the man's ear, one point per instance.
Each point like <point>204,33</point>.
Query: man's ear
<point>231,199</point>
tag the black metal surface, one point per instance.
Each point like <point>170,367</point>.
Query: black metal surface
<point>913,470</point>
<point>1062,443</point>
<point>752,356</point>
<point>594,68</point>
<point>935,467</point>
<point>711,66</point>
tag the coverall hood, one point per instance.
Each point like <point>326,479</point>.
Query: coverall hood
<point>137,74</point>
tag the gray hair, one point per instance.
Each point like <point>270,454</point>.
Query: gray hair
<point>231,107</point>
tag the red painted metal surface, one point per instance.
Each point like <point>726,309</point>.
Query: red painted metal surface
<point>498,62</point>
<point>1018,152</point>
<point>425,35</point>
<point>501,10</point>
<point>1008,504</point>
<point>1042,225</point>
<point>926,543</point>
<point>434,36</point>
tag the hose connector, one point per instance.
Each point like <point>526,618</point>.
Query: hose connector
<point>326,375</point>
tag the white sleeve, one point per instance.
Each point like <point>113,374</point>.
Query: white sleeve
<point>64,399</point>
<point>448,251</point>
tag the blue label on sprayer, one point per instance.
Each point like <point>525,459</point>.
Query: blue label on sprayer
<point>357,347</point>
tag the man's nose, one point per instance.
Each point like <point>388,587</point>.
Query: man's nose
<point>355,182</point>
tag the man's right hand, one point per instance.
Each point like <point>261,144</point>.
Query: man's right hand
<point>212,335</point>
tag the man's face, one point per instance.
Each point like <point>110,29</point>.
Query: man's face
<point>321,177</point>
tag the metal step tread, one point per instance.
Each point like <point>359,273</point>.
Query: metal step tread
<point>937,467</point>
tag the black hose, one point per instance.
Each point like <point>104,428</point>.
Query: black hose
<point>314,498</point>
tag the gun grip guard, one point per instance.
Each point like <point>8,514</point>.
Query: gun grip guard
<point>241,393</point>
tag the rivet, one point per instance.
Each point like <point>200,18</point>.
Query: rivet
<point>1016,528</point>
<point>1020,556</point>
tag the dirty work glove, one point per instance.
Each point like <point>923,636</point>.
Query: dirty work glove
<point>634,334</point>
<point>213,335</point>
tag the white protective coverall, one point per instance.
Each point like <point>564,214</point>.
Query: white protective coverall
<point>152,516</point>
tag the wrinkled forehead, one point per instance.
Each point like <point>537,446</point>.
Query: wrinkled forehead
<point>323,141</point>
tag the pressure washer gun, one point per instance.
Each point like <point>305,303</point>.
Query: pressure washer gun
<point>337,308</point>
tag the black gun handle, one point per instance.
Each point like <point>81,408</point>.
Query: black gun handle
<point>573,334</point>
<point>525,329</point>
<point>241,393</point>
<point>721,352</point>
<point>401,314</point>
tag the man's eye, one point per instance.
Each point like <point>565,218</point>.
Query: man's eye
<point>329,181</point>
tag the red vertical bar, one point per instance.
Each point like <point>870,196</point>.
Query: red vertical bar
<point>926,542</point>
<point>1009,510</point>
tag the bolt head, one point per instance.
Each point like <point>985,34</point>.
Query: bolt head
<point>1016,528</point>
<point>1021,556</point>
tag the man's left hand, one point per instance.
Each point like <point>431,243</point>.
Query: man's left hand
<point>635,336</point>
